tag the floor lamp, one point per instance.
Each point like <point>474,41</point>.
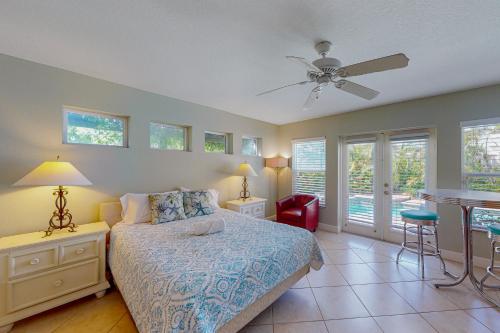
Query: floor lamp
<point>277,163</point>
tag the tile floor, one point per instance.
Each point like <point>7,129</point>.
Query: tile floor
<point>360,289</point>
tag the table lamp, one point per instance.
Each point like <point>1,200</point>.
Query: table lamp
<point>56,173</point>
<point>245,170</point>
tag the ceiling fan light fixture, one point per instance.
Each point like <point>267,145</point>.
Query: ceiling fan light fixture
<point>323,48</point>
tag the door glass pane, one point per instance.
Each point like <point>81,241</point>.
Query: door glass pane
<point>409,159</point>
<point>360,179</point>
<point>481,166</point>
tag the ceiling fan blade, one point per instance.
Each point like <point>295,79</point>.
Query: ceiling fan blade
<point>288,85</point>
<point>356,89</point>
<point>313,97</point>
<point>309,66</point>
<point>376,65</point>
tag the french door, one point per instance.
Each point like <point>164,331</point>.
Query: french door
<point>380,176</point>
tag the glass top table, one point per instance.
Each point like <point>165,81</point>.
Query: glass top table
<point>467,200</point>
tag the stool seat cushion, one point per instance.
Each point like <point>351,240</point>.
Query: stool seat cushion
<point>494,228</point>
<point>419,214</point>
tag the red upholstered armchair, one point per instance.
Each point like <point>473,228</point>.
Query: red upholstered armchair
<point>299,210</point>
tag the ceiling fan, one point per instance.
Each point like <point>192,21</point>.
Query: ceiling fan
<point>328,71</point>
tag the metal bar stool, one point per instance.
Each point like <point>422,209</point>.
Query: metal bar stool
<point>494,235</point>
<point>423,223</point>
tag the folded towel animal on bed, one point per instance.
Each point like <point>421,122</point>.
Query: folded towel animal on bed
<point>206,227</point>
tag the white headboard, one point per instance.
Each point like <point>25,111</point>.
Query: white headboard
<point>110,212</point>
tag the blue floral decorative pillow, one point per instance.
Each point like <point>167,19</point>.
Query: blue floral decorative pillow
<point>166,207</point>
<point>197,203</point>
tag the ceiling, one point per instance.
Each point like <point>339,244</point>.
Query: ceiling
<point>221,53</point>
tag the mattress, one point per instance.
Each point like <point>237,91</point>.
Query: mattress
<point>176,282</point>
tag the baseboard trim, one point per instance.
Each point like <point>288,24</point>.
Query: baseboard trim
<point>329,227</point>
<point>459,257</point>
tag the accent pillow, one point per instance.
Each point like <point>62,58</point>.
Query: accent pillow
<point>197,203</point>
<point>214,196</point>
<point>166,207</point>
<point>136,207</point>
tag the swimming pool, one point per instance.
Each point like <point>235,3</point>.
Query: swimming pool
<point>362,208</point>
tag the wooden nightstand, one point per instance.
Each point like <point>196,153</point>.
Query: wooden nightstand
<point>253,206</point>
<point>37,274</point>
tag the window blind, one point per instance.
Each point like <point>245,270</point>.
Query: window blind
<point>481,166</point>
<point>309,167</point>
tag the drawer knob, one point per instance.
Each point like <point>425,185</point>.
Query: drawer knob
<point>80,250</point>
<point>35,261</point>
<point>58,283</point>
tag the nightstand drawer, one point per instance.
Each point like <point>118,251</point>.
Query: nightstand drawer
<point>28,291</point>
<point>78,251</point>
<point>258,210</point>
<point>255,207</point>
<point>33,260</point>
<point>246,210</point>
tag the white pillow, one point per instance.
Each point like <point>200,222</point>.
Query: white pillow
<point>136,207</point>
<point>214,194</point>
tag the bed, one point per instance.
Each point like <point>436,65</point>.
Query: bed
<point>175,282</point>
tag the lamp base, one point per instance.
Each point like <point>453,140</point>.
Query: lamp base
<point>71,228</point>
<point>245,194</point>
<point>61,217</point>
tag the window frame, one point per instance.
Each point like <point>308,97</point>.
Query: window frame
<point>186,129</point>
<point>294,141</point>
<point>84,111</point>
<point>227,142</point>
<point>258,144</point>
<point>463,174</point>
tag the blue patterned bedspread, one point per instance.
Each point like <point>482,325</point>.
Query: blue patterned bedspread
<point>175,282</point>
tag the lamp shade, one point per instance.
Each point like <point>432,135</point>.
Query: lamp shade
<point>277,162</point>
<point>245,170</point>
<point>54,174</point>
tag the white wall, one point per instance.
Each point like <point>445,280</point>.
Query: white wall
<point>31,100</point>
<point>443,112</point>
